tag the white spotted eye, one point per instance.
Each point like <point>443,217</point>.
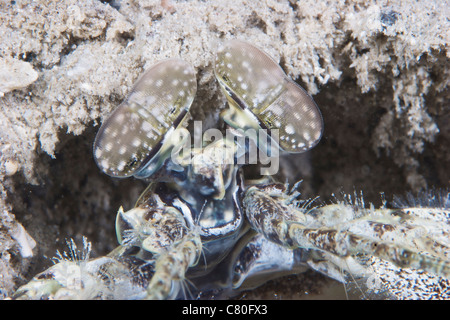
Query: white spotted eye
<point>134,133</point>
<point>255,83</point>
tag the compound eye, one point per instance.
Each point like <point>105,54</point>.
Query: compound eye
<point>135,132</point>
<point>255,83</point>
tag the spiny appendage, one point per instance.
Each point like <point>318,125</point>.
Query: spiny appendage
<point>266,215</point>
<point>382,233</point>
<point>151,225</point>
<point>343,243</point>
<point>43,286</point>
<point>420,228</point>
<point>171,267</point>
<point>169,243</point>
<point>161,229</point>
<point>269,207</point>
<point>73,276</point>
<point>379,233</point>
<point>428,199</point>
<point>63,274</point>
<point>429,212</point>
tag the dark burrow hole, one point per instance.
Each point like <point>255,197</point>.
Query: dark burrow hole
<point>73,199</point>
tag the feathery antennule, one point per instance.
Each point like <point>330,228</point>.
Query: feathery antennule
<point>431,205</point>
<point>431,198</point>
<point>356,199</point>
<point>74,254</point>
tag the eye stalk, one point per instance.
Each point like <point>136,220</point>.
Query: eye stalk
<point>139,135</point>
<point>262,96</point>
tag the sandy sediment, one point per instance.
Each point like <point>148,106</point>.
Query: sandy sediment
<point>379,71</point>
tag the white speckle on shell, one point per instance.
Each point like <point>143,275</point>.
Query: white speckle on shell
<point>122,150</point>
<point>259,85</point>
<point>290,129</point>
<point>141,122</point>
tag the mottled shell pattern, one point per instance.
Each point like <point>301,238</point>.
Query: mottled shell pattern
<point>255,83</point>
<point>134,133</point>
